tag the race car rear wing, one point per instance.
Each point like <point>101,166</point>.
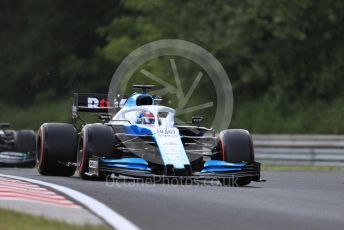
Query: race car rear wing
<point>90,102</point>
<point>94,103</point>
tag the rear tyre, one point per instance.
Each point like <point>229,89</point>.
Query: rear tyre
<point>56,149</point>
<point>95,140</point>
<point>25,141</point>
<point>236,147</point>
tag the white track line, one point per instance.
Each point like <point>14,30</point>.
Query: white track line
<point>112,218</point>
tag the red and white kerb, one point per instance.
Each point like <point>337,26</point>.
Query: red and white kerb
<point>12,189</point>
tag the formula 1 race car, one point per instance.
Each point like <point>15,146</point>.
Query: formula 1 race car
<point>17,148</point>
<point>142,140</point>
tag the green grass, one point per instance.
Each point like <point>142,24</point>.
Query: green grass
<point>12,220</point>
<point>271,167</point>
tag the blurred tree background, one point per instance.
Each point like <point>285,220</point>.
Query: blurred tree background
<point>285,59</point>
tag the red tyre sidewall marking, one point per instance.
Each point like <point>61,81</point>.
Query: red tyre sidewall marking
<point>222,147</point>
<point>41,157</point>
<point>223,150</point>
<point>83,153</point>
<point>218,136</point>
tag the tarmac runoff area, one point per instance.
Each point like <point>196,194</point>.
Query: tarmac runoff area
<point>36,200</point>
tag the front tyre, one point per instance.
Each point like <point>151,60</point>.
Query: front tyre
<point>236,147</point>
<point>25,143</point>
<point>95,140</point>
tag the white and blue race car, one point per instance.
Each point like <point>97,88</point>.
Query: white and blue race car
<point>142,140</point>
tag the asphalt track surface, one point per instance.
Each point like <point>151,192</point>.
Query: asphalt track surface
<point>288,200</point>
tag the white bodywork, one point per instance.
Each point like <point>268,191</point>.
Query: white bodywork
<point>165,133</point>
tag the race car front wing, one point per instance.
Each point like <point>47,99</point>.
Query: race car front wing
<point>139,168</point>
<point>15,159</point>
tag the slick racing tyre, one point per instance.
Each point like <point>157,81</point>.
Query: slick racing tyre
<point>56,149</point>
<point>95,140</point>
<point>236,147</point>
<point>25,141</point>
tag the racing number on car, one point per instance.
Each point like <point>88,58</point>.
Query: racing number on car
<point>93,164</point>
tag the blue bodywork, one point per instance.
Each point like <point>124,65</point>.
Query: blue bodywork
<point>221,166</point>
<point>132,100</point>
<point>137,130</point>
<point>141,164</point>
<point>128,163</point>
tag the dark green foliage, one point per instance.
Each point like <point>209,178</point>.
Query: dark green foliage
<point>285,58</point>
<point>48,47</point>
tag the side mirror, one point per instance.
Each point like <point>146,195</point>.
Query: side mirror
<point>157,100</point>
<point>196,120</point>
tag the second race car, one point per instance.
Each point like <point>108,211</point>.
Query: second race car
<point>17,148</point>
